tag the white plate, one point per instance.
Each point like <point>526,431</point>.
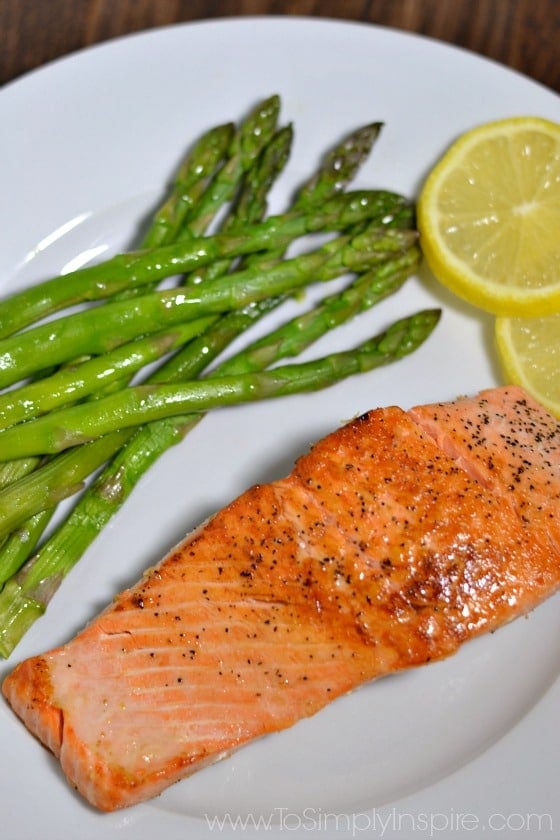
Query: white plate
<point>87,144</point>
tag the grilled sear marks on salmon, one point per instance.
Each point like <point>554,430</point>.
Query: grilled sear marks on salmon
<point>388,546</point>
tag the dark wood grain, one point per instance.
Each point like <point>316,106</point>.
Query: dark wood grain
<point>522,34</point>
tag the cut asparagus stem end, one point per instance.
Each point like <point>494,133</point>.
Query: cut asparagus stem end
<point>18,612</point>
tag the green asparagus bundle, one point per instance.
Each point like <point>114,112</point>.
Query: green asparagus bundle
<point>128,271</point>
<point>100,329</point>
<point>53,442</point>
<point>133,406</point>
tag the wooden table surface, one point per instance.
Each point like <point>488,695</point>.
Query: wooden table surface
<point>522,34</point>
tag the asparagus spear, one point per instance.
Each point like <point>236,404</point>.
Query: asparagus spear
<point>193,178</point>
<point>54,481</point>
<point>11,471</point>
<point>253,135</point>
<point>14,469</point>
<point>190,183</point>
<point>340,165</point>
<point>252,200</point>
<point>250,207</point>
<point>21,543</point>
<point>74,382</point>
<point>251,203</point>
<point>336,171</point>
<point>25,596</point>
<point>99,329</point>
<point>296,335</point>
<point>138,268</point>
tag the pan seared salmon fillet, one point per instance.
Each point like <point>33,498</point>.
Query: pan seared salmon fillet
<point>387,547</point>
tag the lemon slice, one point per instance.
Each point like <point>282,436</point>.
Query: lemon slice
<point>489,217</point>
<point>529,350</point>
